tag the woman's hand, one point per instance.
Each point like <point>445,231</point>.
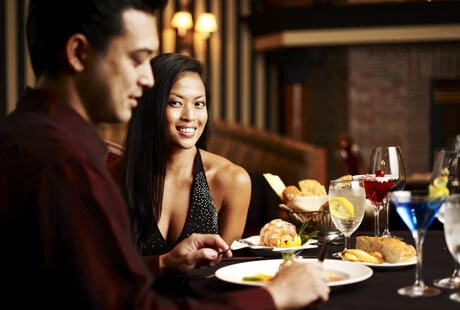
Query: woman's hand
<point>195,251</point>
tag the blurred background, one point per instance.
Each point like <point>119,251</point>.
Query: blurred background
<point>378,72</point>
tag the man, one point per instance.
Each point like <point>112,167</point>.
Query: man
<point>67,240</point>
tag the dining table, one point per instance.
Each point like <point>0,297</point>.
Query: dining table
<point>379,291</point>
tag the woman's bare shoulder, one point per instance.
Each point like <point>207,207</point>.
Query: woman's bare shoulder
<point>223,169</point>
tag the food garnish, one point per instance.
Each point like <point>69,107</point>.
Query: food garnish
<point>438,188</point>
<point>258,277</point>
<point>305,237</point>
<point>333,277</point>
<point>261,277</point>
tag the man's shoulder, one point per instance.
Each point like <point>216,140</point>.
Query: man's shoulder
<point>41,142</point>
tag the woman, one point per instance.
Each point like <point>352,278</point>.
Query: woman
<point>173,186</point>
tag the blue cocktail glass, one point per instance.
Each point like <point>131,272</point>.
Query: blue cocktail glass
<point>418,211</point>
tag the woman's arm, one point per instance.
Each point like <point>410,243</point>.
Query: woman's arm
<point>236,188</point>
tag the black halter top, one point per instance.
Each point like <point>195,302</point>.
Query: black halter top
<point>201,217</point>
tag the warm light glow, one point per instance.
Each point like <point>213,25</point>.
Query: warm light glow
<point>182,20</point>
<point>206,24</point>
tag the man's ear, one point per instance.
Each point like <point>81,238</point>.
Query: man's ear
<point>77,49</point>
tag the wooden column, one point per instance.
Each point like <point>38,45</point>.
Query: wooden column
<point>295,65</point>
<point>293,101</point>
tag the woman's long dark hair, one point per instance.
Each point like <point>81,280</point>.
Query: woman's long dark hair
<point>144,161</point>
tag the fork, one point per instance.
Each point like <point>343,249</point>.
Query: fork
<point>323,252</point>
<point>223,251</point>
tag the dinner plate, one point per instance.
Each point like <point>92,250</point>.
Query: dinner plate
<point>349,271</point>
<point>253,241</point>
<point>390,265</point>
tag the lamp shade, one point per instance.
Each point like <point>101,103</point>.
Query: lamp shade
<point>182,20</point>
<point>206,23</point>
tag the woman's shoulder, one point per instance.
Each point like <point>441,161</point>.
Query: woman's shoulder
<point>222,168</point>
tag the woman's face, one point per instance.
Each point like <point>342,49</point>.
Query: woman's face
<point>186,112</point>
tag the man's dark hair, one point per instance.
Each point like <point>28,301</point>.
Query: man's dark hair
<point>51,22</point>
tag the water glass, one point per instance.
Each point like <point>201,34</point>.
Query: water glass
<point>452,231</point>
<point>347,200</point>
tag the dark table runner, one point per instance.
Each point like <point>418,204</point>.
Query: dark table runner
<point>377,292</point>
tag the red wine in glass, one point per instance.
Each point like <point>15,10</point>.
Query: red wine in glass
<point>377,187</point>
<point>387,166</point>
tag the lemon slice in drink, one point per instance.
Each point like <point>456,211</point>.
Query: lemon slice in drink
<point>341,208</point>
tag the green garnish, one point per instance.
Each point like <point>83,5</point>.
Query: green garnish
<point>306,237</point>
<point>252,279</point>
<point>309,236</point>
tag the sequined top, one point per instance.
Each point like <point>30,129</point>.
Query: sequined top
<point>201,218</point>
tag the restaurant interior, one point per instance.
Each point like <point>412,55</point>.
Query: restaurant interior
<point>294,82</point>
<point>381,72</point>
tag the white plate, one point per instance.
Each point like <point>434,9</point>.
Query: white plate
<point>390,265</point>
<point>351,272</point>
<point>253,241</point>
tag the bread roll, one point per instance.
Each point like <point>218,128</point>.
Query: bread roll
<point>271,232</point>
<point>290,192</point>
<point>392,250</point>
<point>310,187</point>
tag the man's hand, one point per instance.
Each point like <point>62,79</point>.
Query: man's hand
<point>299,285</point>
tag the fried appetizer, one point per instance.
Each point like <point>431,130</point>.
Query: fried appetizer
<point>356,255</point>
<point>392,250</point>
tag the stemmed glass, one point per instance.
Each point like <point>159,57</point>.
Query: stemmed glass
<point>386,173</point>
<point>417,210</point>
<point>347,200</point>
<point>447,166</point>
<point>452,231</point>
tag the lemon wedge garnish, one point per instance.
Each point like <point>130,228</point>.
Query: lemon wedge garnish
<point>437,191</point>
<point>438,188</point>
<point>440,181</point>
<point>341,208</point>
<point>286,241</point>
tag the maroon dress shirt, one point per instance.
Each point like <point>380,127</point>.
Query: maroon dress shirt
<point>65,228</point>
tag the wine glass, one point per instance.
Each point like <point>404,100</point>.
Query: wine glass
<point>417,210</point>
<point>347,200</point>
<point>452,232</point>
<point>386,173</point>
<point>446,164</point>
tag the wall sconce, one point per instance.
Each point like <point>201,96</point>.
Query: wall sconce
<point>182,20</point>
<point>206,24</point>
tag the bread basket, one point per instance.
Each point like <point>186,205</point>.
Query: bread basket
<point>319,221</point>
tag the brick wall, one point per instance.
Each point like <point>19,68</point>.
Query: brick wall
<point>389,96</point>
<point>380,95</point>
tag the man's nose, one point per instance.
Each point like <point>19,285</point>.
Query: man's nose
<point>147,79</point>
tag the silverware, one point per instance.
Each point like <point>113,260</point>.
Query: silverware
<point>244,258</point>
<point>222,252</point>
<point>323,252</point>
